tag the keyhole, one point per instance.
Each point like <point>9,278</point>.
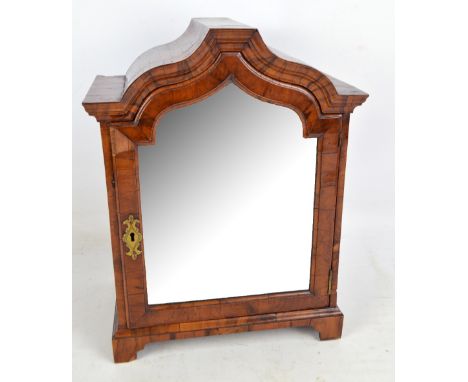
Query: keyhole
<point>132,236</point>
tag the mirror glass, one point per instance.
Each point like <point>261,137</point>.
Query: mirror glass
<point>227,197</point>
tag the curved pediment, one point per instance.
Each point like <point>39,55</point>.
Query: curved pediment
<point>209,53</point>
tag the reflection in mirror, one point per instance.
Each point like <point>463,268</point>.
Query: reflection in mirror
<point>227,200</point>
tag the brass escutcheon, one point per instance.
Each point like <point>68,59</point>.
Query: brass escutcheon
<point>132,237</point>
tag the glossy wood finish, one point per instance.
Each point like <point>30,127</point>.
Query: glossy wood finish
<point>328,322</point>
<point>210,54</point>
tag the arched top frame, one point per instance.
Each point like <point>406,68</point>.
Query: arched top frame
<point>210,53</point>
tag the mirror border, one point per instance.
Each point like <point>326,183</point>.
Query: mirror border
<point>138,313</point>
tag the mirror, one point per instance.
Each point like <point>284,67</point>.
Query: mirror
<point>227,197</point>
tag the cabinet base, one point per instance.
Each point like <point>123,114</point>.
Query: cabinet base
<point>127,342</point>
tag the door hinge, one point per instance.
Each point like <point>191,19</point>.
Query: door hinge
<point>330,279</point>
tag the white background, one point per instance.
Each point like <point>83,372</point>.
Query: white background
<point>351,40</point>
<point>431,191</point>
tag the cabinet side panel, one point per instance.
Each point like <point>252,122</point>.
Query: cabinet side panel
<point>339,209</point>
<point>127,192</point>
<point>114,227</point>
<point>325,208</point>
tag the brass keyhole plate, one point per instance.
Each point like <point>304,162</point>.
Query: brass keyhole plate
<point>132,237</point>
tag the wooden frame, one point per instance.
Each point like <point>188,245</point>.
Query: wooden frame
<point>210,54</point>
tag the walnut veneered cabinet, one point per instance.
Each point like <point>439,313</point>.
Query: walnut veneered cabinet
<point>212,56</point>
